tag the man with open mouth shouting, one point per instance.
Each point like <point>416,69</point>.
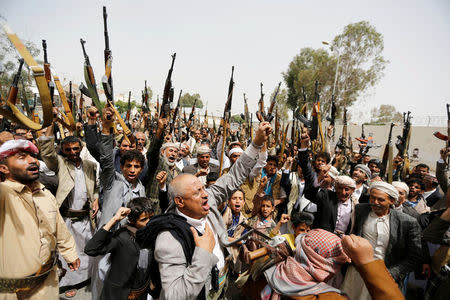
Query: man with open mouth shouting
<point>32,228</point>
<point>195,265</point>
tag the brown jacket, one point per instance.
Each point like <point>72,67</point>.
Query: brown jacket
<point>66,173</point>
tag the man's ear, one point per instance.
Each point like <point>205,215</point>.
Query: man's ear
<point>4,169</point>
<point>179,202</point>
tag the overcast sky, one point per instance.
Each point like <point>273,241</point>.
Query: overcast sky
<point>258,37</point>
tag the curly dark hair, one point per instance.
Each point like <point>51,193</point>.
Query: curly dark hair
<point>132,155</point>
<point>138,206</point>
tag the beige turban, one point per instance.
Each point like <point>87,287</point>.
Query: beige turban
<point>386,188</point>
<point>203,150</point>
<point>345,181</point>
<point>401,185</point>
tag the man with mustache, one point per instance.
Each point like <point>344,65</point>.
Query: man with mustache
<point>161,159</point>
<point>77,198</point>
<point>203,166</point>
<point>32,228</point>
<point>194,209</point>
<point>394,236</point>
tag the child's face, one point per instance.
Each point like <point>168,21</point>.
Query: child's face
<point>266,208</point>
<point>236,202</point>
<point>300,228</point>
<point>143,220</point>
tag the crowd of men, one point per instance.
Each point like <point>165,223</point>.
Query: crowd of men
<point>167,215</point>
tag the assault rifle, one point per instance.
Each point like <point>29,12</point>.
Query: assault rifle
<point>128,108</point>
<point>165,106</point>
<point>342,142</point>
<point>387,150</point>
<point>175,114</point>
<point>226,118</point>
<point>269,117</point>
<point>90,79</point>
<point>444,137</point>
<point>146,96</point>
<point>107,81</point>
<point>48,73</point>
<point>13,90</point>
<point>403,143</point>
<point>260,114</point>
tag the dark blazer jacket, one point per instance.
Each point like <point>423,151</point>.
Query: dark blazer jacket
<point>326,200</point>
<point>404,251</point>
<point>192,169</point>
<point>364,198</point>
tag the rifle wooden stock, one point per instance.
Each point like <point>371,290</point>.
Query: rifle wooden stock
<point>258,253</point>
<point>62,95</point>
<point>12,112</point>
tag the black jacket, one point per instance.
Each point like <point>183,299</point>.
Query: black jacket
<point>404,251</point>
<point>124,273</point>
<point>326,200</point>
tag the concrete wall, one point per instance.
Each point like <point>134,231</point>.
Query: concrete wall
<point>421,137</point>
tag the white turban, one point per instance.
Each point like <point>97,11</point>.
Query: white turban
<point>401,185</point>
<point>235,150</point>
<point>345,181</point>
<point>169,145</point>
<point>385,188</point>
<point>333,172</point>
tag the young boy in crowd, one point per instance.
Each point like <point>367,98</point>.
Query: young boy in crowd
<point>128,275</point>
<point>263,221</point>
<point>415,196</point>
<point>232,215</point>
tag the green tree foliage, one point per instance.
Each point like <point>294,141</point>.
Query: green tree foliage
<point>9,66</point>
<point>236,119</point>
<point>122,106</point>
<point>361,64</point>
<point>385,113</point>
<point>187,100</point>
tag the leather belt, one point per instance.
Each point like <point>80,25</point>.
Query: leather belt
<point>22,287</point>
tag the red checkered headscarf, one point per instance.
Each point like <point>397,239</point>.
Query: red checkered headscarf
<point>11,147</point>
<point>318,257</point>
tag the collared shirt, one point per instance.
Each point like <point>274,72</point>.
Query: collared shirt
<point>31,229</point>
<point>344,214</point>
<point>79,192</point>
<point>358,192</point>
<point>200,224</point>
<point>376,230</point>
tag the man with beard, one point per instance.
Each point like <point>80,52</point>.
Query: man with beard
<point>334,208</point>
<point>203,166</point>
<point>394,236</point>
<point>141,140</point>
<point>32,229</point>
<point>161,158</point>
<point>361,175</point>
<point>77,198</point>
